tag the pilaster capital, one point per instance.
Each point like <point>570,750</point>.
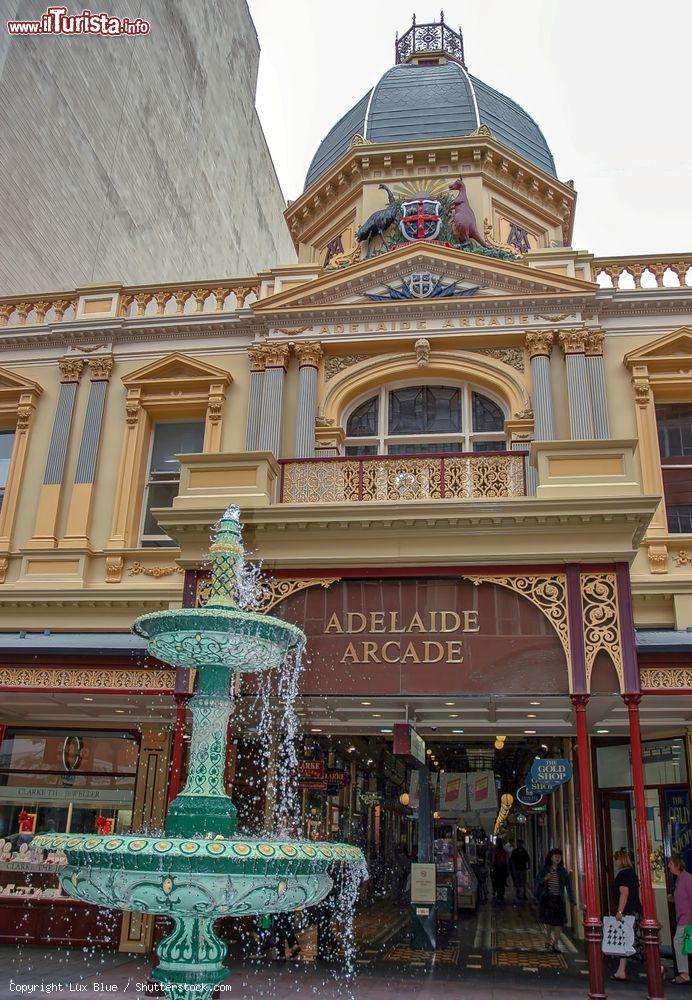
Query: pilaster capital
<point>276,355</point>
<point>257,358</point>
<point>309,353</point>
<point>573,341</point>
<point>100,369</point>
<point>594,343</point>
<point>71,369</point>
<point>540,343</point>
<point>642,388</point>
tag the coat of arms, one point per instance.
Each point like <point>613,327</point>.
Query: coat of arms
<point>421,220</point>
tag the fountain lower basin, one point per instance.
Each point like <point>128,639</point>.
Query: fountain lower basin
<point>205,878</point>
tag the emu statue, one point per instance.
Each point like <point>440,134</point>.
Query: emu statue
<point>379,222</point>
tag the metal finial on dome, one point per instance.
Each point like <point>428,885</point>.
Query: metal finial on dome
<point>435,38</point>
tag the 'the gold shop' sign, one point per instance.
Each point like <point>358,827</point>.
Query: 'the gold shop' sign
<point>403,650</point>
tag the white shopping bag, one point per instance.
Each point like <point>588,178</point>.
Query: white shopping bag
<point>618,936</point>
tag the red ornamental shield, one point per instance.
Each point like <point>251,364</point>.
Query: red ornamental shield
<point>422,219</point>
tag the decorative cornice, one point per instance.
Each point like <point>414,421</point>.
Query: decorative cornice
<point>573,341</point>
<point>71,369</point>
<point>540,344</point>
<point>309,353</point>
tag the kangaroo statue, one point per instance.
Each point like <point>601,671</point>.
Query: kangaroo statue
<point>464,225</point>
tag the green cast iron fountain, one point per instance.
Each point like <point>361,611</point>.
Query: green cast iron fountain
<point>199,869</point>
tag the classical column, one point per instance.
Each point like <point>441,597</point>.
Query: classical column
<point>593,924</point>
<point>573,343</point>
<point>79,513</point>
<point>650,926</point>
<point>539,345</point>
<point>49,496</point>
<point>256,357</point>
<point>597,386</point>
<point>309,355</point>
<point>276,356</point>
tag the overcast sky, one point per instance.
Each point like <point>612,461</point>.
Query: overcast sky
<point>608,83</point>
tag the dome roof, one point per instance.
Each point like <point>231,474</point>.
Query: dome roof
<point>420,101</point>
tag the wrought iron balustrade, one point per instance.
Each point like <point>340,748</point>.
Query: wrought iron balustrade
<point>435,36</point>
<point>489,475</point>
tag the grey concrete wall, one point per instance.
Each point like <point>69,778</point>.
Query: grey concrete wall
<point>136,159</point>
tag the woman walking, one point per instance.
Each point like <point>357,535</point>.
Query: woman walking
<point>551,885</point>
<point>682,897</point>
<point>626,889</point>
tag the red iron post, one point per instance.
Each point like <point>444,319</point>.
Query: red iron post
<point>593,924</point>
<point>650,926</point>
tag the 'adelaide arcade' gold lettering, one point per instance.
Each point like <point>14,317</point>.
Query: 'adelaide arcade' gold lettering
<point>395,651</point>
<point>389,622</point>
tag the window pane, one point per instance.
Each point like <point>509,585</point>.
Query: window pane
<point>6,442</point>
<point>677,489</point>
<point>363,420</point>
<point>487,416</point>
<point>361,449</point>
<point>425,448</point>
<point>490,446</point>
<point>159,495</point>
<point>424,410</point>
<point>674,429</point>
<point>680,520</point>
<point>173,439</point>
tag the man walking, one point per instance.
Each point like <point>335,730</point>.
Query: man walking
<point>519,861</point>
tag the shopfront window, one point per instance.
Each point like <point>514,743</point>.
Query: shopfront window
<point>425,419</point>
<point>66,780</point>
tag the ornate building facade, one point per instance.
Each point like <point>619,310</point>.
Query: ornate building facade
<point>461,447</point>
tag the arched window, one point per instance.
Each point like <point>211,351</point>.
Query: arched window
<point>421,419</point>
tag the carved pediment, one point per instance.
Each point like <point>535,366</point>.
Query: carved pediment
<point>665,354</point>
<point>353,285</point>
<point>176,368</point>
<point>14,385</point>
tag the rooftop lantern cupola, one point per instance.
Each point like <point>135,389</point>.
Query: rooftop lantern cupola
<point>426,43</point>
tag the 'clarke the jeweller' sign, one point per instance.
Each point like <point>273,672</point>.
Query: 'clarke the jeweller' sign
<point>427,635</point>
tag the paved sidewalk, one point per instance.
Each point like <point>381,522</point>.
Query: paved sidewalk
<point>76,975</point>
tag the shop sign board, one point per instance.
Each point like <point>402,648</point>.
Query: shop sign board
<point>311,773</point>
<point>336,779</point>
<point>528,798</point>
<point>548,774</point>
<point>45,793</point>
<point>677,802</point>
<point>436,636</point>
<point>407,742</point>
<point>423,883</point>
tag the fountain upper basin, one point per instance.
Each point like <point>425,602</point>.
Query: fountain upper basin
<point>242,641</point>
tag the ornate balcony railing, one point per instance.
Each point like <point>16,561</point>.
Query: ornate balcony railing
<point>455,476</point>
<point>668,270</point>
<point>431,37</point>
<point>133,302</point>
